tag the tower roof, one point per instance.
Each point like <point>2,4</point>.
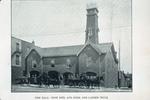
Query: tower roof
<point>91,5</point>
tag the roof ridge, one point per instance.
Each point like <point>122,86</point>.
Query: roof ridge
<point>105,43</point>
<point>20,39</point>
<point>62,46</point>
<point>26,41</point>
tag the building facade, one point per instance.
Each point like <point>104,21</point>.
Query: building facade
<point>93,58</point>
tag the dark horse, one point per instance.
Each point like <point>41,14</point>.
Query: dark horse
<point>54,79</point>
<point>82,81</point>
<point>42,79</point>
<point>54,82</point>
<point>89,82</point>
<point>45,79</point>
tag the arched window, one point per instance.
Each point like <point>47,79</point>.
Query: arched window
<point>53,63</point>
<point>34,64</point>
<point>90,33</point>
<point>28,49</point>
<point>17,46</point>
<point>88,61</point>
<point>17,60</point>
<point>68,61</point>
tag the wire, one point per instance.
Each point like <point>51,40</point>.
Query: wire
<point>66,33</point>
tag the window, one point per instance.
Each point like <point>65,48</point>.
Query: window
<point>17,46</point>
<point>88,61</point>
<point>28,49</point>
<point>52,63</point>
<point>69,66</point>
<point>17,60</point>
<point>24,73</point>
<point>90,33</point>
<point>68,63</point>
<point>34,64</point>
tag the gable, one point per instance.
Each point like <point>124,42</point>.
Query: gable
<point>89,51</point>
<point>93,47</point>
<point>34,54</point>
<point>108,47</point>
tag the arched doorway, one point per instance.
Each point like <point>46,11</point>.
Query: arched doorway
<point>53,74</point>
<point>33,76</point>
<point>67,76</point>
<point>34,73</point>
<point>91,75</point>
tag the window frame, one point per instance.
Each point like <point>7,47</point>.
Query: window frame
<point>88,61</point>
<point>68,62</point>
<point>34,63</point>
<point>18,46</point>
<point>52,62</point>
<point>17,60</point>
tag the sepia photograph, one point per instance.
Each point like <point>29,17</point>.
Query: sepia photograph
<point>71,46</point>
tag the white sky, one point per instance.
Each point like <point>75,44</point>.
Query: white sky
<point>62,22</point>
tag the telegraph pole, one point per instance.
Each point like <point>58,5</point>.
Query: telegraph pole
<point>119,66</point>
<point>119,56</point>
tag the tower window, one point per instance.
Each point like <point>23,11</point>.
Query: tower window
<point>90,32</point>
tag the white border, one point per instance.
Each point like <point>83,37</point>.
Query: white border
<point>141,56</point>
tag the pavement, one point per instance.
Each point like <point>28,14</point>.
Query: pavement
<point>64,88</point>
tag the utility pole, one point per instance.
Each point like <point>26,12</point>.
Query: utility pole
<point>119,57</point>
<point>111,20</point>
<point>119,78</point>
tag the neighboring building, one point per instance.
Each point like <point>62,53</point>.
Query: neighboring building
<point>129,80</point>
<point>19,51</point>
<point>92,58</point>
<point>125,80</point>
<point>122,79</point>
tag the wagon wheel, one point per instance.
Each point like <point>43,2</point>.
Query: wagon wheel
<point>81,84</point>
<point>70,84</point>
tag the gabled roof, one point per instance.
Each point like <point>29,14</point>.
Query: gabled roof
<point>72,50</point>
<point>94,46</point>
<point>61,51</point>
<point>105,47</point>
<point>38,49</point>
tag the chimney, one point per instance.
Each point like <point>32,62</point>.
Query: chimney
<point>33,42</point>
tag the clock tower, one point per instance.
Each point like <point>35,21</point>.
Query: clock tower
<point>92,24</point>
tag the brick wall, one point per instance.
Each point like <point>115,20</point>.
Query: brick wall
<point>33,58</point>
<point>111,71</point>
<point>89,61</point>
<point>60,64</point>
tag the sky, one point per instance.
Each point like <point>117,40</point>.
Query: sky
<point>52,23</point>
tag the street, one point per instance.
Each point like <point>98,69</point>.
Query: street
<point>35,88</point>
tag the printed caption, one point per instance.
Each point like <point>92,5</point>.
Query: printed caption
<point>71,97</point>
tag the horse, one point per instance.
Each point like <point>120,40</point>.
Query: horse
<point>54,82</point>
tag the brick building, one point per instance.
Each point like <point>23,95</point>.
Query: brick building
<point>92,58</point>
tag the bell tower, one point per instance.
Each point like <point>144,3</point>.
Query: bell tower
<point>92,24</point>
